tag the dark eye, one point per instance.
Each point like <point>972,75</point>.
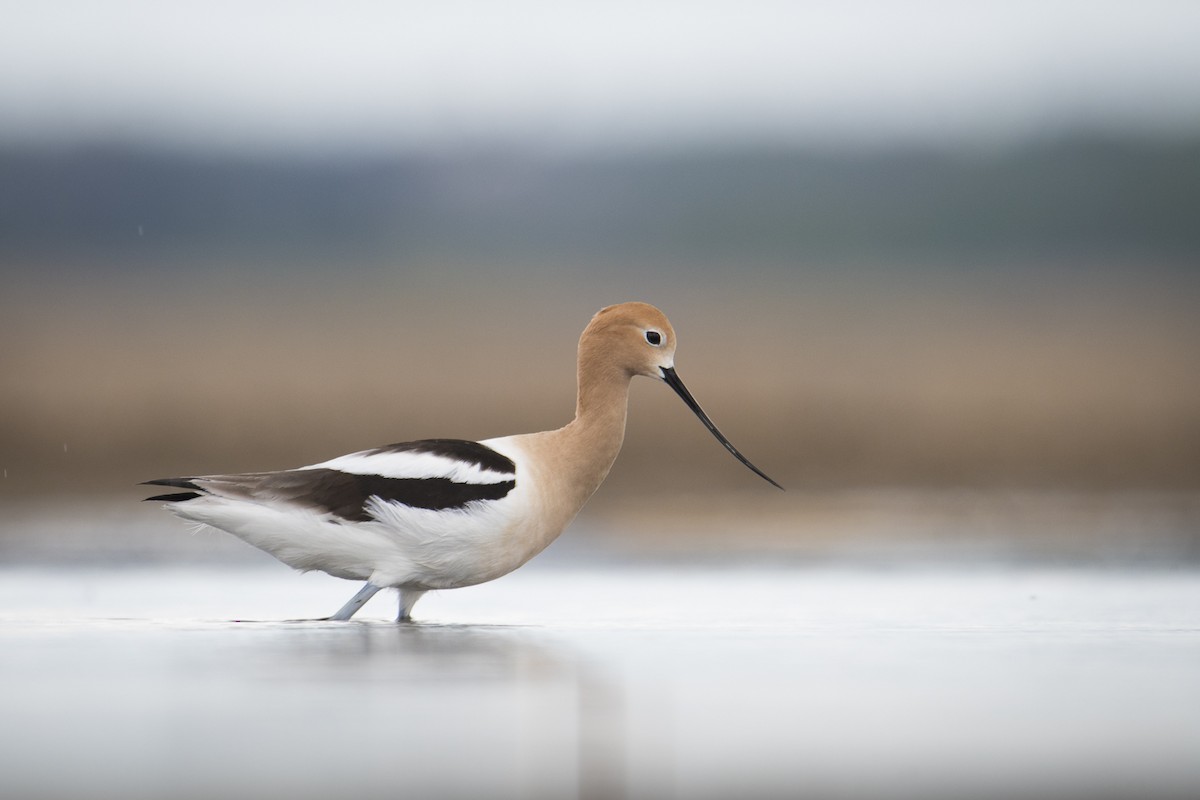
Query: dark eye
<point>654,338</point>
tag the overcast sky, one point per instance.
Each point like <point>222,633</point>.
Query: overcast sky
<point>600,75</point>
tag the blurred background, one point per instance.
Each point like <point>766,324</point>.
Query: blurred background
<point>934,266</point>
<point>934,262</point>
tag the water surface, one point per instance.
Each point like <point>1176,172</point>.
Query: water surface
<point>665,680</point>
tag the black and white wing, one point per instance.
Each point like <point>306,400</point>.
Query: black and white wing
<point>433,474</point>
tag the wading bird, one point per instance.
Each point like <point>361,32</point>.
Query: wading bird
<point>447,513</point>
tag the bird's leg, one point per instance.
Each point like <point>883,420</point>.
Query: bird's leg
<point>358,601</point>
<point>408,599</point>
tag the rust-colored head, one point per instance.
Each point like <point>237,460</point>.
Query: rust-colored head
<point>631,339</point>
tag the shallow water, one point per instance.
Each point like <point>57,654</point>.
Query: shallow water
<point>563,681</point>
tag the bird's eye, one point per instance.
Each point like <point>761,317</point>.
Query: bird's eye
<point>654,338</point>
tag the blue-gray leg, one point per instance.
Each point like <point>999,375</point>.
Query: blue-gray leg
<point>358,601</point>
<point>408,599</point>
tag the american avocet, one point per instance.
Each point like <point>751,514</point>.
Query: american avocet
<point>447,513</point>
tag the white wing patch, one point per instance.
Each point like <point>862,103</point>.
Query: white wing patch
<point>413,465</point>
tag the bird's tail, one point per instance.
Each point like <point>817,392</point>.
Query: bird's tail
<point>175,497</point>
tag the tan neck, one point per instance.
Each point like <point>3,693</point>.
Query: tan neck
<point>578,456</point>
<point>594,437</point>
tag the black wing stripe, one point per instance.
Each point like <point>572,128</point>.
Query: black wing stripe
<point>346,495</point>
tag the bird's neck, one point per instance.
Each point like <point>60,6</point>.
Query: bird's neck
<point>595,436</point>
<point>577,457</point>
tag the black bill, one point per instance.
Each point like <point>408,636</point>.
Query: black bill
<point>675,383</point>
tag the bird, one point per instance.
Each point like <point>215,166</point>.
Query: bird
<point>441,514</point>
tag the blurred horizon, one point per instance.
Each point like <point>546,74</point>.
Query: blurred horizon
<point>1080,202</point>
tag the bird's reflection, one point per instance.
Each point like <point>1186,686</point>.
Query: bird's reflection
<point>570,712</point>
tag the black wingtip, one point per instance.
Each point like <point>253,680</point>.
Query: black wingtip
<point>178,497</point>
<point>178,483</point>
